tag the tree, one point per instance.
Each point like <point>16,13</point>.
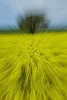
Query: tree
<point>31,22</point>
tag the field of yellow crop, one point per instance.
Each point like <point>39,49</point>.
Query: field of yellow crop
<point>33,67</point>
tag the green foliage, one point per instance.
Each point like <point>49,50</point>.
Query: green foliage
<point>32,23</point>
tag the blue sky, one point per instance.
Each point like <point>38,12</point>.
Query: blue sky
<point>10,9</point>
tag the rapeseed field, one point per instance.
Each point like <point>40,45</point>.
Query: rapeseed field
<point>33,67</point>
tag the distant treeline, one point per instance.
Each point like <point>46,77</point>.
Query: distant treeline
<point>18,31</point>
<point>9,31</point>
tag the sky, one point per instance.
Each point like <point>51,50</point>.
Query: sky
<point>56,11</point>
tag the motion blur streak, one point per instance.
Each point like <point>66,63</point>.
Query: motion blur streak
<point>33,67</point>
